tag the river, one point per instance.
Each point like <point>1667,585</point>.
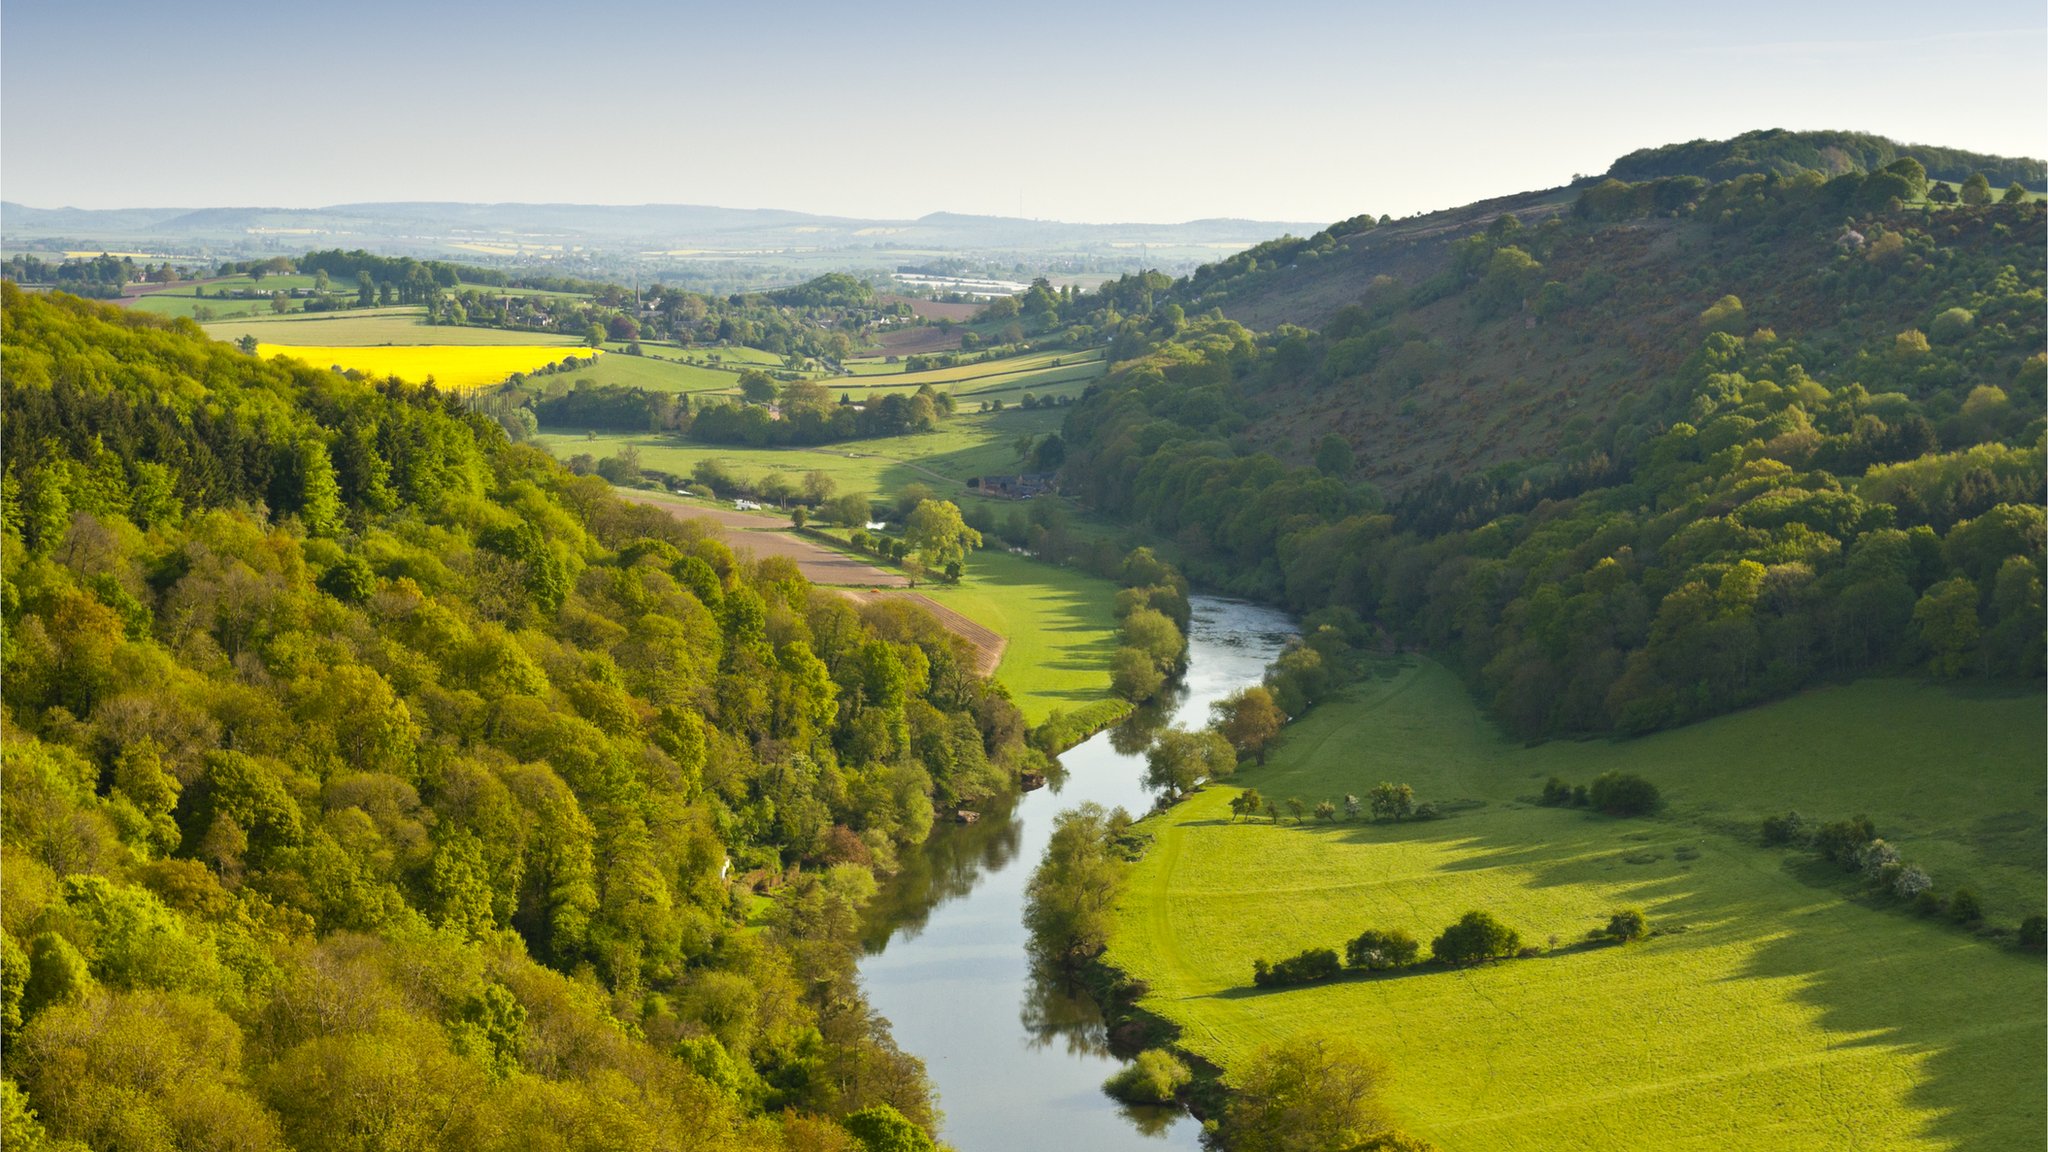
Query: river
<point>1018,1065</point>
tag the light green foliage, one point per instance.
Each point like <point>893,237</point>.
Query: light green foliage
<point>1179,761</point>
<point>1763,970</point>
<point>1304,1094</point>
<point>880,1128</point>
<point>1067,905</point>
<point>938,534</point>
<point>1153,1077</point>
<point>519,736</point>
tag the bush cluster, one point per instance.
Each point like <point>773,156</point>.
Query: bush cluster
<point>1615,793</point>
<point>1855,846</point>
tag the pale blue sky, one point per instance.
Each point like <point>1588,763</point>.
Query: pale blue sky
<point>1279,110</point>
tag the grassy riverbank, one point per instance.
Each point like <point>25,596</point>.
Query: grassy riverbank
<point>1772,1010</point>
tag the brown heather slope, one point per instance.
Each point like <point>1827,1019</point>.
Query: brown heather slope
<point>1476,389</point>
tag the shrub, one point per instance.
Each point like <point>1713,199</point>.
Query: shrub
<point>1376,951</point>
<point>1307,967</point>
<point>1929,903</point>
<point>1626,925</point>
<point>1579,796</point>
<point>1842,840</point>
<point>1556,793</point>
<point>1427,810</point>
<point>1623,794</point>
<point>2034,933</point>
<point>1477,936</point>
<point>1786,829</point>
<point>1152,1078</point>
<point>1911,881</point>
<point>1963,907</point>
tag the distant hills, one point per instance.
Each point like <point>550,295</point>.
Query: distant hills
<point>484,231</point>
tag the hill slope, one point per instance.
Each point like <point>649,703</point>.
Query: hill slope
<point>1656,451</point>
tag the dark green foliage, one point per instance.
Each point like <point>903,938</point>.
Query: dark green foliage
<point>1964,907</point>
<point>1476,937</point>
<point>2033,934</point>
<point>1791,488</point>
<point>1782,153</point>
<point>1376,951</point>
<point>1623,794</point>
<point>1842,840</point>
<point>1626,925</point>
<point>1556,793</point>
<point>1307,967</point>
<point>1787,829</point>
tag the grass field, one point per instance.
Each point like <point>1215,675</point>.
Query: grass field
<point>374,326</point>
<point>455,366</point>
<point>1060,625</point>
<point>1771,1012</point>
<point>968,444</point>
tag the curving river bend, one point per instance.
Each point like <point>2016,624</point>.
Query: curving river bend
<point>1018,1065</point>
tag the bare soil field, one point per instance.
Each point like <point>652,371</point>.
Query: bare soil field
<point>769,536</point>
<point>909,341</point>
<point>934,309</point>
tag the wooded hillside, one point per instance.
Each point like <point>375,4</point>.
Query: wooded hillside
<point>1673,448</point>
<point>372,782</point>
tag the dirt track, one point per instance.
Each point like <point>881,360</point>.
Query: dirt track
<point>858,581</point>
<point>769,536</point>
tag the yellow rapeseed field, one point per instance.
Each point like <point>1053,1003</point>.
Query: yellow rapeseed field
<point>453,366</point>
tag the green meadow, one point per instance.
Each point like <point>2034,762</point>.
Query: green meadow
<point>1060,625</point>
<point>1772,1009</point>
<point>968,444</point>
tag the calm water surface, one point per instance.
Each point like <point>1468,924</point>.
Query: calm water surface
<point>1018,1065</point>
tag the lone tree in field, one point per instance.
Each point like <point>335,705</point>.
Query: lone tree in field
<point>1475,938</point>
<point>1246,803</point>
<point>1626,925</point>
<point>1180,760</point>
<point>1250,720</point>
<point>1295,808</point>
<point>938,534</point>
<point>1308,1094</point>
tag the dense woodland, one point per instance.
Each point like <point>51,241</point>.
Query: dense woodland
<point>1844,476</point>
<point>373,782</point>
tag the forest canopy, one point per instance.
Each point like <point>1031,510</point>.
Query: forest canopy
<point>372,781</point>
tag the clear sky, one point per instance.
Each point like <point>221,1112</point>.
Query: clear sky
<point>1096,111</point>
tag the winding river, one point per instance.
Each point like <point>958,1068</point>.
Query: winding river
<point>1018,1065</point>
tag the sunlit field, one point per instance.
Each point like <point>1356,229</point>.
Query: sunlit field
<point>450,366</point>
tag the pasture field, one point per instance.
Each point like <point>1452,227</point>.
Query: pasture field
<point>1060,624</point>
<point>665,368</point>
<point>656,373</point>
<point>452,366</point>
<point>1770,1010</point>
<point>378,326</point>
<point>187,305</point>
<point>967,444</point>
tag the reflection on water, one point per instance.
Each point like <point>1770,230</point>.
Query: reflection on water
<point>1019,1061</point>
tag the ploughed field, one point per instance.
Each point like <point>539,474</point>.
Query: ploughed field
<point>1773,1009</point>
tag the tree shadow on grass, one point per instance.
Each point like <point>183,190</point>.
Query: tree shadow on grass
<point>1877,976</point>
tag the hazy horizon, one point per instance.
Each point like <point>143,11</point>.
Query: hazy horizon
<point>1080,114</point>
